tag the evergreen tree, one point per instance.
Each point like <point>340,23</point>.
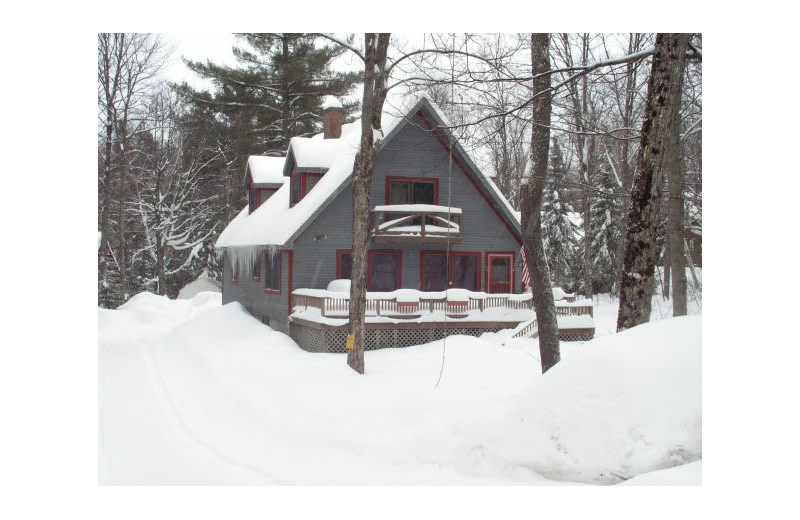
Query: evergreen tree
<point>605,208</point>
<point>559,232</point>
<point>274,94</point>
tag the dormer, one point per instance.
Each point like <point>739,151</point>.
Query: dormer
<point>262,178</point>
<point>309,159</point>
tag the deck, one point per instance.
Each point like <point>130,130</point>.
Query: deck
<point>319,321</point>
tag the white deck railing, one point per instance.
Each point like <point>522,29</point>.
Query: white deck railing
<point>407,302</point>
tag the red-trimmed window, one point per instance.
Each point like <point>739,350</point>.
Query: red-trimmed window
<point>383,270</point>
<point>300,184</point>
<point>253,199</point>
<point>272,272</point>
<point>412,190</point>
<point>344,264</point>
<point>461,270</point>
<point>500,272</point>
<point>257,196</point>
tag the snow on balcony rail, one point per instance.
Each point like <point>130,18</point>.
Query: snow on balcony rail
<point>430,209</point>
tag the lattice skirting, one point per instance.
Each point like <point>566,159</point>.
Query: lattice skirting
<point>314,340</point>
<point>575,334</point>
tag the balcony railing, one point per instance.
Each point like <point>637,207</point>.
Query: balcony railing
<point>415,223</point>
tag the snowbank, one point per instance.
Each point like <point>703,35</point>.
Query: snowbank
<point>195,287</point>
<point>620,406</point>
<point>224,399</point>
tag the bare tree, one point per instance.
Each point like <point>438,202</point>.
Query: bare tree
<point>127,64</point>
<point>376,74</point>
<point>532,205</point>
<point>172,209</point>
<point>657,151</point>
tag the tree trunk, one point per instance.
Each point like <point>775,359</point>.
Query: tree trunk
<point>541,287</point>
<point>661,121</point>
<point>665,286</point>
<point>286,111</point>
<point>626,178</point>
<point>588,232</point>
<point>376,46</point>
<point>122,198</point>
<point>675,251</point>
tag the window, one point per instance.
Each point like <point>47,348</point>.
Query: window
<point>256,273</point>
<point>253,199</point>
<point>434,271</point>
<point>412,190</point>
<point>301,184</point>
<point>500,272</point>
<point>383,270</point>
<point>311,180</point>
<point>295,196</point>
<point>272,272</point>
<point>465,271</point>
<point>462,271</point>
<point>344,264</point>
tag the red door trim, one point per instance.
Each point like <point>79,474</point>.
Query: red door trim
<point>489,255</point>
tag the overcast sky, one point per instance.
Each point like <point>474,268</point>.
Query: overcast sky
<point>217,48</point>
<point>213,46</point>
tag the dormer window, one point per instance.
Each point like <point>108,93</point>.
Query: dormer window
<point>257,197</point>
<point>253,200</point>
<point>301,183</point>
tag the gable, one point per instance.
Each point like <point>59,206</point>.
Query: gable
<point>426,127</point>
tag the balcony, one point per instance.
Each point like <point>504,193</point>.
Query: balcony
<point>415,224</point>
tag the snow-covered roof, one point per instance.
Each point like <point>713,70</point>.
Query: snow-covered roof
<point>312,153</point>
<point>336,157</point>
<point>266,170</point>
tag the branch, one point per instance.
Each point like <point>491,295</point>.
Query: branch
<point>343,44</point>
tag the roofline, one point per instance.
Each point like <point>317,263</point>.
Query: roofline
<point>489,192</point>
<point>484,181</point>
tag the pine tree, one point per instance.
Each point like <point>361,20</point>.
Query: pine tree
<point>605,209</point>
<point>274,94</point>
<point>559,231</point>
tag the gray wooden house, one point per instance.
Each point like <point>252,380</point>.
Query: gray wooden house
<point>437,223</point>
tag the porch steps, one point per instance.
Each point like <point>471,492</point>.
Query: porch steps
<point>526,329</point>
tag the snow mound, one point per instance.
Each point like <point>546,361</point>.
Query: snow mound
<point>195,287</point>
<point>623,405</point>
<point>342,286</point>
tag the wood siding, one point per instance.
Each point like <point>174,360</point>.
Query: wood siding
<point>413,152</point>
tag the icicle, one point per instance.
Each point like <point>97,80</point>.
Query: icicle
<point>243,258</point>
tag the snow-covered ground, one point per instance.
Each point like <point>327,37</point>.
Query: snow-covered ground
<point>193,392</point>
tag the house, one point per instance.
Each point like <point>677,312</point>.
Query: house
<point>444,243</point>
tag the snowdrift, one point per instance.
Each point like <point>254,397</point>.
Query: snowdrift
<point>620,406</point>
<point>246,405</point>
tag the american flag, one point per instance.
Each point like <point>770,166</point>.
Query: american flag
<point>526,275</point>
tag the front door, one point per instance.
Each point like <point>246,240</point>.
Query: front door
<point>500,272</point>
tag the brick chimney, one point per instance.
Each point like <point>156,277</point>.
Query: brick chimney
<point>332,118</point>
